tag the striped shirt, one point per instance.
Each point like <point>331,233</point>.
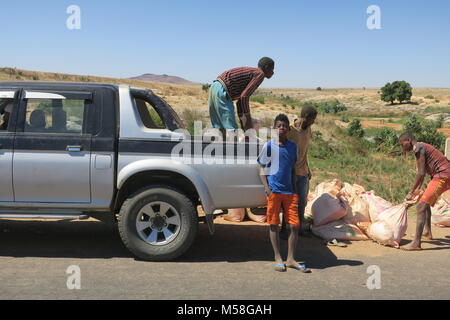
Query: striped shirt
<point>240,83</point>
<point>436,164</point>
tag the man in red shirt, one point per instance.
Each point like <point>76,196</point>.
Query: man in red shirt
<point>429,161</point>
<point>236,84</point>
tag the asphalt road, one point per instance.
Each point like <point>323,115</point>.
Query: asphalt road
<point>235,263</point>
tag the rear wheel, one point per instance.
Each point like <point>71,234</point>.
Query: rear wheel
<point>158,223</point>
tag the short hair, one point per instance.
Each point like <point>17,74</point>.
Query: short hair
<point>406,135</point>
<point>266,63</point>
<point>308,112</point>
<point>281,117</point>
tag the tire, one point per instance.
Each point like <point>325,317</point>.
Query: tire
<point>158,223</point>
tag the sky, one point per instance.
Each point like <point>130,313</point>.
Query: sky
<point>314,43</point>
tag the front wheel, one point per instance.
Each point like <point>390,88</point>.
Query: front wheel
<point>158,223</point>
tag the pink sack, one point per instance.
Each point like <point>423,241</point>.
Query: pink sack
<point>339,230</point>
<point>440,214</point>
<point>358,207</point>
<point>326,209</point>
<point>235,215</point>
<point>390,226</point>
<point>376,204</point>
<point>257,214</point>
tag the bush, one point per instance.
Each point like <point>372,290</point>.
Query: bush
<point>355,129</point>
<point>189,116</point>
<point>259,99</point>
<point>429,97</point>
<point>425,131</point>
<point>397,90</point>
<point>319,89</point>
<point>386,138</point>
<point>331,107</point>
<point>206,86</point>
<point>345,118</point>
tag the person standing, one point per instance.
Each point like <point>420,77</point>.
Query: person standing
<point>300,133</point>
<point>277,160</point>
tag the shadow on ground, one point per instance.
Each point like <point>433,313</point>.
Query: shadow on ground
<point>97,240</point>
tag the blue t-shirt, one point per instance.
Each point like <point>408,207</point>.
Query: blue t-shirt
<point>278,162</point>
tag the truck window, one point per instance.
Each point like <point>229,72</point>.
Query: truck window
<point>149,117</point>
<point>5,112</point>
<point>55,116</point>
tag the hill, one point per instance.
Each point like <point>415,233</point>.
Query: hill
<point>164,78</point>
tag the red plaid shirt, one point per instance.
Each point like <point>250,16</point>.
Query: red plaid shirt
<point>240,83</point>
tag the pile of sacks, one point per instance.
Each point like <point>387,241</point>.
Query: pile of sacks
<point>348,212</point>
<point>440,213</point>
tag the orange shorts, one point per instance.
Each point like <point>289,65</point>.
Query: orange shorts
<point>289,202</point>
<point>434,189</point>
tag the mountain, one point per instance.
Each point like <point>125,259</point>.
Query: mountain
<point>164,78</point>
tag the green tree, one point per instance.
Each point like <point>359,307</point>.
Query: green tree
<point>403,91</point>
<point>397,90</point>
<point>387,93</point>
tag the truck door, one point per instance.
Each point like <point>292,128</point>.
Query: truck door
<point>8,106</point>
<point>52,149</point>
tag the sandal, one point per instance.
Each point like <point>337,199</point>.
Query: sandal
<point>336,243</point>
<point>300,267</point>
<point>280,267</point>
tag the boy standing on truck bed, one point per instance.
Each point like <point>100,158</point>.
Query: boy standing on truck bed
<point>429,160</point>
<point>236,84</point>
<point>277,173</point>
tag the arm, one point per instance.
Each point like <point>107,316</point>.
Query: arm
<point>263,178</point>
<point>243,107</point>
<point>420,159</point>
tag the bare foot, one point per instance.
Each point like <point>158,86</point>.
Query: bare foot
<point>411,247</point>
<point>428,236</point>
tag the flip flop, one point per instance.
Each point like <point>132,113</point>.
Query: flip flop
<point>280,267</point>
<point>301,268</point>
<point>336,243</point>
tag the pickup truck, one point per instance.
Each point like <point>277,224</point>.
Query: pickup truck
<point>80,150</point>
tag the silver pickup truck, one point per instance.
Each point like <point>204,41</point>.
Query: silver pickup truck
<point>79,150</point>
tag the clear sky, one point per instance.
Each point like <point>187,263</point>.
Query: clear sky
<point>314,43</point>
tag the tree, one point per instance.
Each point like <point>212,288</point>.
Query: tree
<point>403,90</point>
<point>388,93</point>
<point>397,90</point>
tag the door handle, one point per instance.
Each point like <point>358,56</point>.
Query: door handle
<point>73,148</point>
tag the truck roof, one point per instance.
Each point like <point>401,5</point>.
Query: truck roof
<point>52,85</point>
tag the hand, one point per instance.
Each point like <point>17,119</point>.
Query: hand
<point>268,193</point>
<point>309,175</point>
<point>409,197</point>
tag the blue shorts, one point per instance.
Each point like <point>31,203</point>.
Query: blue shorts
<point>221,108</point>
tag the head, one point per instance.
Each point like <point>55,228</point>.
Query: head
<point>407,141</point>
<point>308,116</point>
<point>281,124</point>
<point>266,65</point>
